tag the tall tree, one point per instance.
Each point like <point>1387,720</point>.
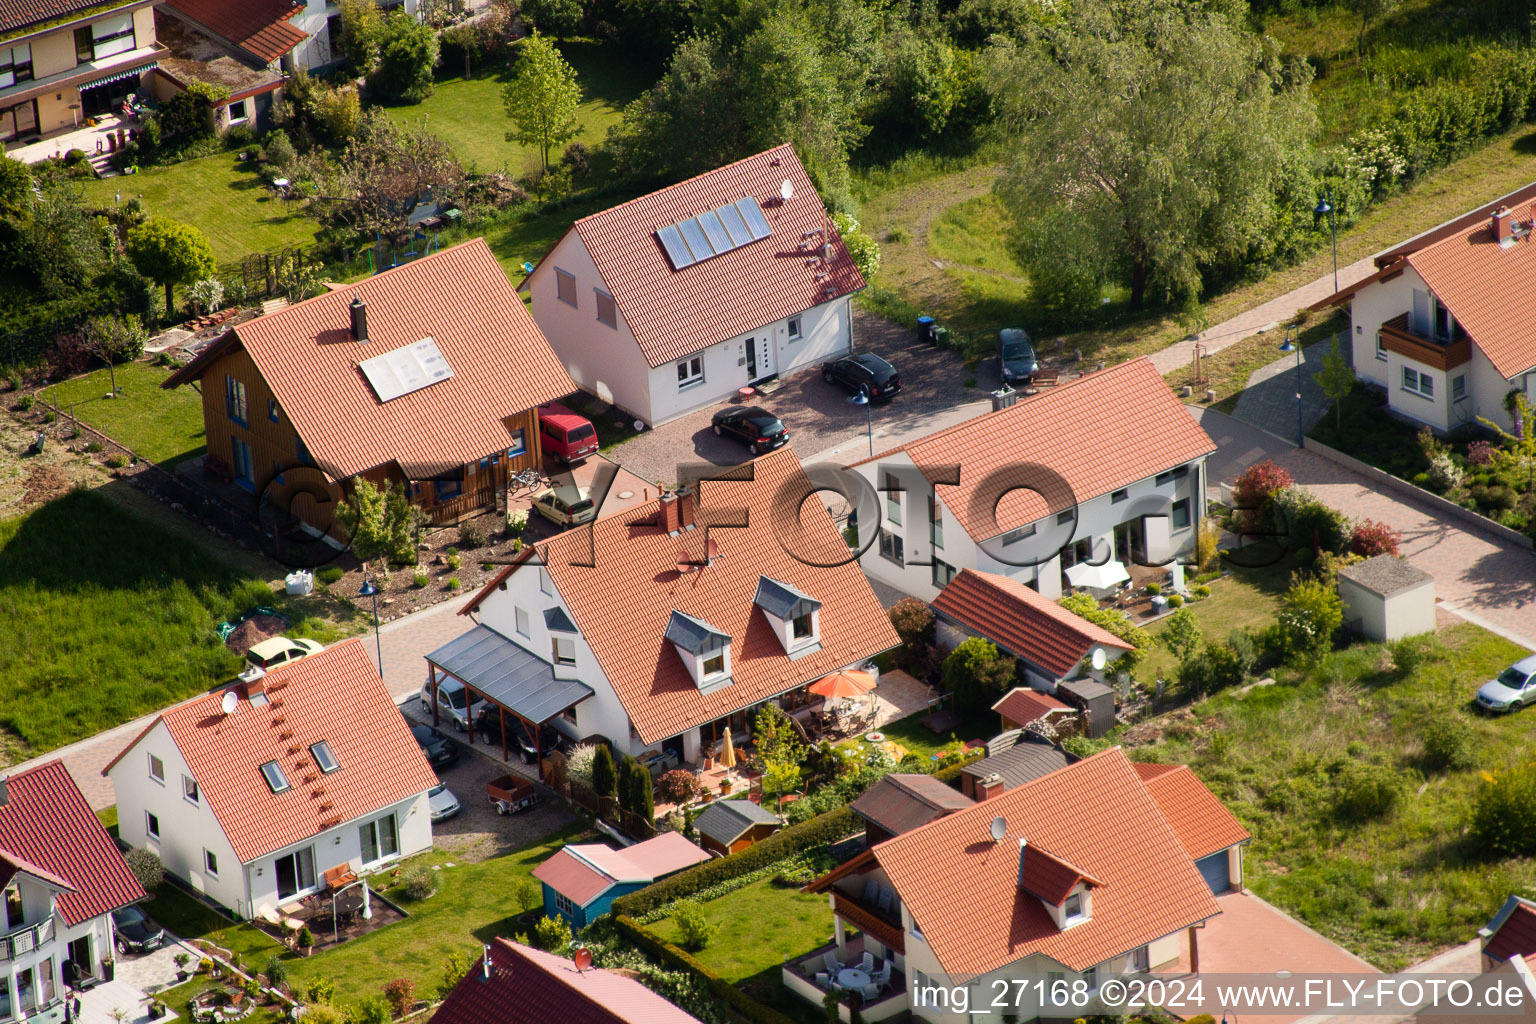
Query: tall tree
<point>542,97</point>
<point>408,52</point>
<point>1337,380</point>
<point>171,253</point>
<point>362,22</point>
<point>1149,136</point>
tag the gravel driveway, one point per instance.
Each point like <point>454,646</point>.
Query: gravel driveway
<point>817,414</point>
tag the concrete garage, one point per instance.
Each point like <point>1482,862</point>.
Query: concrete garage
<point>1387,597</point>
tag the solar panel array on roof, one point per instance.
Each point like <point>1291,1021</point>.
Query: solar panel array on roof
<point>406,369</point>
<point>714,232</point>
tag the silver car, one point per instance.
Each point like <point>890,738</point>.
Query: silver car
<point>1514,688</point>
<point>441,803</point>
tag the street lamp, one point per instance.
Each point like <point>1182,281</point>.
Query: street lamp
<point>1325,207</point>
<point>860,398</point>
<point>1295,346</point>
<point>369,590</point>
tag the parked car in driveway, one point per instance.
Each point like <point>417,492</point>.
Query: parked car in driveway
<point>565,505</point>
<point>451,702</point>
<point>136,933</point>
<point>1017,356</point>
<point>274,654</point>
<point>752,425</point>
<point>441,803</point>
<point>566,435</point>
<point>1514,688</point>
<point>440,749</point>
<point>488,725</point>
<point>864,373</point>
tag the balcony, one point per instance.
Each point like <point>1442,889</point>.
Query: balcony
<point>1397,335</point>
<point>24,940</point>
<point>870,920</point>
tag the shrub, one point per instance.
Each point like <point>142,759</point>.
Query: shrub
<point>454,583</point>
<point>1253,490</point>
<point>977,674</point>
<point>279,149</point>
<point>580,761</point>
<point>552,934</point>
<point>25,402</point>
<point>455,969</point>
<point>1241,643</point>
<point>330,574</point>
<point>400,994</point>
<point>455,560</point>
<point>369,1010</point>
<point>1502,822</point>
<point>146,867</point>
<point>1200,590</point>
<point>1175,601</point>
<point>914,623</point>
<point>471,535</point>
<point>277,972</point>
<point>1311,612</point>
<point>239,137</point>
<point>1480,453</point>
<point>1112,619</point>
<point>1370,538</point>
<point>579,159</point>
<point>252,987</point>
<point>1154,588</point>
<point>678,786</point>
<point>320,990</point>
<point>1410,653</point>
<point>251,152</point>
<point>1303,521</point>
<point>325,1013</point>
<point>420,580</point>
<point>1364,789</point>
<point>74,156</point>
<point>517,521</point>
<point>306,938</point>
<point>1444,473</point>
<point>694,929</point>
<point>1448,737</point>
<point>420,883</point>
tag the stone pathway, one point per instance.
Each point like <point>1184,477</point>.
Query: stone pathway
<point>134,981</point>
<point>1261,317</point>
<point>1269,401</point>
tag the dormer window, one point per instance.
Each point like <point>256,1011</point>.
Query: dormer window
<point>793,614</point>
<point>705,650</point>
<point>1064,889</point>
<point>714,665</point>
<point>1072,909</point>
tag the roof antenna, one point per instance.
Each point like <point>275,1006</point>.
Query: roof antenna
<point>485,964</point>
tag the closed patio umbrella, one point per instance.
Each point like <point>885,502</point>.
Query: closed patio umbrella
<point>727,750</point>
<point>842,684</point>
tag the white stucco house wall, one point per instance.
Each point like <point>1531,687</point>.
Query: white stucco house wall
<point>1106,468</point>
<point>311,769</point>
<point>673,301</point>
<point>1387,598</point>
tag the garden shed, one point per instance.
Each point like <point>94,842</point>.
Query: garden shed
<point>1094,699</point>
<point>1386,597</point>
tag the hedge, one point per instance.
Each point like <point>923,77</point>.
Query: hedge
<point>648,942</point>
<point>819,831</point>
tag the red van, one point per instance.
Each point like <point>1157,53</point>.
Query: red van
<point>568,436</point>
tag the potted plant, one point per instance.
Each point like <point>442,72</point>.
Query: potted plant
<point>306,940</point>
<point>182,959</point>
<point>108,968</point>
<point>156,1009</point>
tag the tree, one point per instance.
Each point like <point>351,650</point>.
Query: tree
<point>678,786</point>
<point>362,23</point>
<point>1337,380</point>
<point>1366,11</point>
<point>1150,137</point>
<point>693,928</point>
<point>775,736</point>
<point>456,968</point>
<point>552,935</point>
<point>380,524</point>
<point>408,52</point>
<point>15,187</point>
<point>977,674</point>
<point>114,340</point>
<point>63,244</point>
<point>1519,451</point>
<point>559,18</point>
<point>636,789</point>
<point>605,780</point>
<point>146,868</point>
<point>781,774</point>
<point>542,97</point>
<point>1181,635</point>
<point>171,253</point>
<point>386,167</point>
<point>1254,488</point>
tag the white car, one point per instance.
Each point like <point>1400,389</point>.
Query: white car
<point>273,654</point>
<point>441,803</point>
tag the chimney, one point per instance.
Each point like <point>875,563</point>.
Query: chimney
<point>485,964</point>
<point>687,507</point>
<point>1502,223</point>
<point>5,797</point>
<point>989,787</point>
<point>1023,849</point>
<point>359,320</point>
<point>1003,397</point>
<point>670,520</point>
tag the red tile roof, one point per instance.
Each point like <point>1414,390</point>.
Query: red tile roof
<point>335,696</point>
<point>46,826</point>
<point>1202,822</point>
<point>1148,771</point>
<point>1028,624</point>
<point>260,27</point>
<point>625,593</point>
<point>1516,936</point>
<point>1021,705</point>
<point>673,313</point>
<point>584,871</point>
<point>459,297</point>
<point>1043,874</point>
<point>573,877</point>
<point>1101,432</point>
<point>1479,281</point>
<point>962,889</point>
<point>529,986</point>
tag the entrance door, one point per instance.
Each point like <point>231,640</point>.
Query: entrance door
<point>751,346</point>
<point>81,965</point>
<point>295,873</point>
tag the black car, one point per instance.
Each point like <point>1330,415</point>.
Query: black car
<point>489,727</point>
<point>1017,356</point>
<point>758,428</point>
<point>865,373</point>
<point>440,750</point>
<point>135,932</point>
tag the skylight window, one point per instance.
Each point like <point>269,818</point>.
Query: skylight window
<point>323,757</point>
<point>713,232</point>
<point>277,782</point>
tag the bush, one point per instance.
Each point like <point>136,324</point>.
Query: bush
<point>1449,740</point>
<point>325,1013</point>
<point>420,883</point>
<point>914,623</point>
<point>73,157</point>
<point>369,1010</point>
<point>605,777</point>
<point>239,137</point>
<point>454,583</point>
<point>1201,590</point>
<point>279,150</point>
<point>1502,822</point>
<point>306,938</point>
<point>455,969</point>
<point>277,973</point>
<point>678,786</point>
<point>1175,601</point>
<point>1311,612</point>
<point>408,51</point>
<point>400,994</point>
<point>552,935</point>
<point>25,402</point>
<point>1305,522</point>
<point>320,990</point>
<point>330,574</point>
<point>454,559</point>
<point>1410,653</point>
<point>1364,790</point>
<point>1253,490</point>
<point>1370,538</point>
<point>693,927</point>
<point>977,674</point>
<point>146,867</point>
<point>579,159</point>
<point>471,536</point>
<point>1444,473</point>
<point>420,580</point>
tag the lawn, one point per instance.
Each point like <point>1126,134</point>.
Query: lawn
<point>162,426</point>
<point>469,113</point>
<point>911,733</point>
<point>1396,888</point>
<point>108,616</point>
<point>214,193</point>
<point>1243,599</point>
<point>474,904</point>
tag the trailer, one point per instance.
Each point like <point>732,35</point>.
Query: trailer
<point>511,793</point>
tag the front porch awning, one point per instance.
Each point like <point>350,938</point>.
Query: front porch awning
<point>117,76</point>
<point>506,674</point>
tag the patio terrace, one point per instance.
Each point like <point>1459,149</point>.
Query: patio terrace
<point>800,976</point>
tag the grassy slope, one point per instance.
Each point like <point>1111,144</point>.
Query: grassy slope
<point>1393,890</point>
<point>163,426</point>
<point>214,193</point>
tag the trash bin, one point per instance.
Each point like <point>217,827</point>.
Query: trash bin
<point>925,329</point>
<point>941,337</point>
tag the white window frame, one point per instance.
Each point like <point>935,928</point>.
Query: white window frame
<point>892,490</point>
<point>210,862</point>
<point>546,585</point>
<point>705,672</point>
<point>794,329</point>
<point>154,763</point>
<point>896,552</point>
<point>565,284</point>
<point>1422,385</point>
<point>1014,536</point>
<point>690,372</point>
<point>378,837</point>
<point>1068,916</point>
<point>565,905</point>
<point>245,111</point>
<point>1381,349</point>
<point>559,644</point>
<point>1173,515</point>
<point>189,791</point>
<point>1458,387</point>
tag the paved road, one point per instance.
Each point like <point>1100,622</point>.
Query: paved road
<point>1478,576</point>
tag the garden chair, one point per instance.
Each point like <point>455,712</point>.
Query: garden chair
<point>870,993</point>
<point>887,898</point>
<point>833,964</point>
<point>823,981</point>
<point>871,891</point>
<point>867,963</point>
<point>883,976</point>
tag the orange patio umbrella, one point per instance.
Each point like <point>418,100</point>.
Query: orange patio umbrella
<point>843,684</point>
<point>727,750</point>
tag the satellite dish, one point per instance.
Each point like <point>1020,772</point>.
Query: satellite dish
<point>228,703</point>
<point>684,562</point>
<point>1098,660</point>
<point>787,190</point>
<point>712,550</point>
<point>999,829</point>
<point>582,958</point>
